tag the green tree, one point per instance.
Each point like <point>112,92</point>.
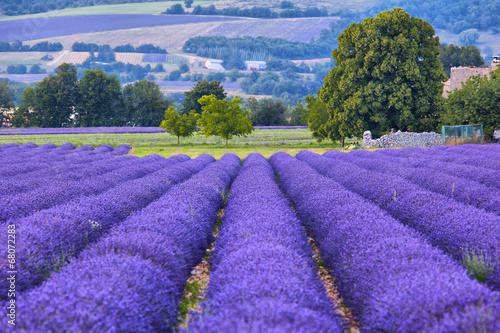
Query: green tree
<point>184,68</point>
<point>202,88</point>
<point>269,113</point>
<point>6,95</point>
<point>6,99</point>
<point>298,115</point>
<point>55,98</point>
<point>468,37</point>
<point>100,99</point>
<point>179,125</point>
<point>144,104</point>
<point>21,117</point>
<point>188,3</point>
<point>317,119</point>
<point>174,75</point>
<point>175,10</point>
<point>387,75</point>
<point>454,56</point>
<point>478,102</point>
<point>224,118</point>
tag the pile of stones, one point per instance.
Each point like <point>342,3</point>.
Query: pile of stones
<point>402,139</point>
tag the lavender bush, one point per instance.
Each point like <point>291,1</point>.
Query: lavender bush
<point>141,267</point>
<point>393,280</point>
<point>55,193</point>
<point>459,189</point>
<point>262,261</point>
<point>50,238</point>
<point>488,177</point>
<point>455,228</point>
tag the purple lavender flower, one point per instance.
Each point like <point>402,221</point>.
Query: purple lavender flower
<point>390,277</point>
<point>262,261</point>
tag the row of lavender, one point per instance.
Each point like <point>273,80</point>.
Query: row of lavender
<point>456,214</point>
<point>126,271</point>
<point>143,262</point>
<point>392,278</point>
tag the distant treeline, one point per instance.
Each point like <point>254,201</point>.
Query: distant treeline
<point>275,47</point>
<point>256,12</point>
<point>456,16</point>
<point>38,47</point>
<point>22,69</point>
<point>91,47</point>
<point>20,7</point>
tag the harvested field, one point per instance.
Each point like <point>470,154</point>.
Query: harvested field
<point>173,37</point>
<point>294,29</point>
<point>46,27</point>
<point>169,36</point>
<point>129,58</point>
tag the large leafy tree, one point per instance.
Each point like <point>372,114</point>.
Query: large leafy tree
<point>387,75</point>
<point>100,98</point>
<point>202,88</point>
<point>144,104</point>
<point>478,102</point>
<point>55,98</point>
<point>224,118</point>
<point>179,125</point>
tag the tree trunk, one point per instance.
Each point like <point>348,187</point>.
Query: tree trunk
<point>342,143</point>
<point>226,142</point>
<point>177,139</point>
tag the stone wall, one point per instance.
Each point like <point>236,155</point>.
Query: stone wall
<point>402,139</point>
<point>460,74</point>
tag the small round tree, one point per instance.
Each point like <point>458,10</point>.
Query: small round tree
<point>179,125</point>
<point>224,118</point>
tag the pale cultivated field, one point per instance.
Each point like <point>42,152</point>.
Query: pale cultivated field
<point>27,58</point>
<point>312,61</point>
<point>168,37</point>
<point>294,29</point>
<point>129,58</point>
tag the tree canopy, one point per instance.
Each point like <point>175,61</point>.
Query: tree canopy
<point>267,112</point>
<point>224,118</point>
<point>478,102</point>
<point>100,97</point>
<point>144,104</point>
<point>54,98</point>
<point>454,56</point>
<point>6,95</point>
<point>202,88</point>
<point>387,75</point>
<point>179,125</point>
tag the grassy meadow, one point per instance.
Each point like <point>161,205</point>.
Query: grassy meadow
<point>266,142</point>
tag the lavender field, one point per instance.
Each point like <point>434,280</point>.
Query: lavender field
<point>394,240</point>
<point>46,27</point>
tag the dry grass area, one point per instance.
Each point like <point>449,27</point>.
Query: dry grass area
<point>294,29</point>
<point>168,37</point>
<point>173,37</point>
<point>129,58</point>
<point>331,5</point>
